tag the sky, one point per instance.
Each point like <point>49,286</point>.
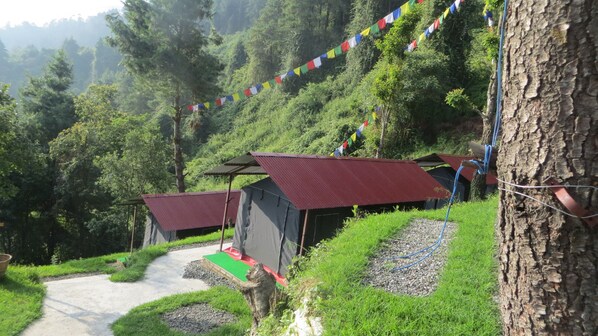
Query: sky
<point>41,12</point>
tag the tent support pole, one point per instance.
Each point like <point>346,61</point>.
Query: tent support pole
<point>133,230</point>
<point>304,230</point>
<point>230,182</point>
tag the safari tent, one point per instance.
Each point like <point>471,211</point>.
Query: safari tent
<point>177,216</point>
<point>305,199</point>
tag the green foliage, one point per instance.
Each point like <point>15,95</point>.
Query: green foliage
<point>21,296</point>
<point>145,319</point>
<point>461,305</point>
<point>88,265</point>
<point>9,143</point>
<point>457,99</point>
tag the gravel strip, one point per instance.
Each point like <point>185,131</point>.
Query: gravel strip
<point>194,270</point>
<point>420,279</point>
<point>198,318</point>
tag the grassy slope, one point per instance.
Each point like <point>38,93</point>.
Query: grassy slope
<point>21,292</point>
<point>145,319</point>
<point>21,296</point>
<point>462,305</point>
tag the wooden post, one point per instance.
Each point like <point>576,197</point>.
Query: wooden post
<point>304,230</point>
<point>230,182</point>
<point>133,230</point>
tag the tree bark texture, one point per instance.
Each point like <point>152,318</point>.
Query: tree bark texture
<point>179,164</point>
<point>548,277</point>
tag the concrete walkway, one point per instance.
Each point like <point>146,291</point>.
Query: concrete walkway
<point>89,305</point>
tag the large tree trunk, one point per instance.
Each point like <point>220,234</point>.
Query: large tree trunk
<point>179,164</point>
<point>549,261</point>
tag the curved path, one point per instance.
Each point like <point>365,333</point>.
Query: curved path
<point>88,305</point>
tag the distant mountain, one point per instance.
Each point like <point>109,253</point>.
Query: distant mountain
<point>86,32</point>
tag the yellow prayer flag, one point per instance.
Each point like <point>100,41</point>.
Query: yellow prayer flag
<point>374,115</point>
<point>330,54</point>
<point>405,8</point>
<point>266,85</point>
<point>354,137</point>
<point>422,37</point>
<point>446,12</point>
<point>297,71</point>
<point>366,32</point>
<point>207,105</point>
<point>331,154</point>
<point>236,97</point>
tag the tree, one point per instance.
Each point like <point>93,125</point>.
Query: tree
<point>162,41</point>
<point>548,260</point>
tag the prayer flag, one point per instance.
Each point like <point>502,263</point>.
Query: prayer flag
<point>431,28</point>
<point>374,29</point>
<point>365,123</point>
<point>446,12</point>
<point>441,18</point>
<point>190,107</point>
<point>253,90</point>
<point>337,153</point>
<point>358,132</point>
<point>405,8</point>
<point>352,42</point>
<point>317,62</point>
<point>330,54</point>
<point>259,87</point>
<point>452,8</point>
<point>341,149</point>
<point>345,144</point>
<point>236,97</point>
<point>324,56</point>
<point>389,18</point>
<point>366,32</point>
<point>427,33</point>
<point>374,115</point>
<point>345,46</point>
<point>247,92</point>
<point>266,85</point>
<point>436,23</point>
<point>304,68</point>
<point>396,14</point>
<point>457,3</point>
<point>272,83</point>
<point>278,79</point>
<point>411,2</point>
<point>201,105</point>
<point>360,129</point>
<point>338,50</point>
<point>358,38</point>
<point>207,105</point>
<point>350,142</point>
<point>354,137</point>
<point>241,95</point>
<point>381,24</point>
<point>283,76</point>
<point>218,102</point>
<point>422,37</point>
<point>297,71</point>
<point>291,73</point>
<point>311,65</point>
<point>230,98</point>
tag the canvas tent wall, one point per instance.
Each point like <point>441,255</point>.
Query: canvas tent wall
<point>177,216</point>
<point>307,198</point>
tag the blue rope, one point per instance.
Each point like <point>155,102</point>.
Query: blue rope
<point>438,241</point>
<point>499,76</point>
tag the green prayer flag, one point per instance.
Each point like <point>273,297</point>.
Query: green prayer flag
<point>374,29</point>
<point>304,69</point>
<point>272,83</point>
<point>411,2</point>
<point>338,50</point>
<point>350,141</point>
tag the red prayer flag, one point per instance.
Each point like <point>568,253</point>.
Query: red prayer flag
<point>247,92</point>
<point>365,123</point>
<point>436,24</point>
<point>345,46</point>
<point>190,107</point>
<point>381,23</point>
<point>278,79</point>
<point>311,65</point>
<point>218,102</point>
<point>345,144</point>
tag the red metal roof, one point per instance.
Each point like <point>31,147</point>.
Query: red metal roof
<point>455,162</point>
<point>319,182</point>
<point>191,210</point>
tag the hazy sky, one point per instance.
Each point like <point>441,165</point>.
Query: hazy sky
<point>40,12</point>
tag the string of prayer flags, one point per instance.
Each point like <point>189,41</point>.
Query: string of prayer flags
<point>434,26</point>
<point>315,63</point>
<point>342,149</point>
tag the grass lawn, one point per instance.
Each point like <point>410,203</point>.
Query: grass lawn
<point>21,295</point>
<point>145,319</point>
<point>462,304</point>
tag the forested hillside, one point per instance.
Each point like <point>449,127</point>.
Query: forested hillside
<point>95,127</point>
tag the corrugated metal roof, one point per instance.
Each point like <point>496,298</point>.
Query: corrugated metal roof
<point>319,182</point>
<point>454,161</point>
<point>191,210</point>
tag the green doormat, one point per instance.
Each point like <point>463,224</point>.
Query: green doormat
<point>234,267</point>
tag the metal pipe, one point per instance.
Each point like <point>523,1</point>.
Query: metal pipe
<point>304,230</point>
<point>230,182</point>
